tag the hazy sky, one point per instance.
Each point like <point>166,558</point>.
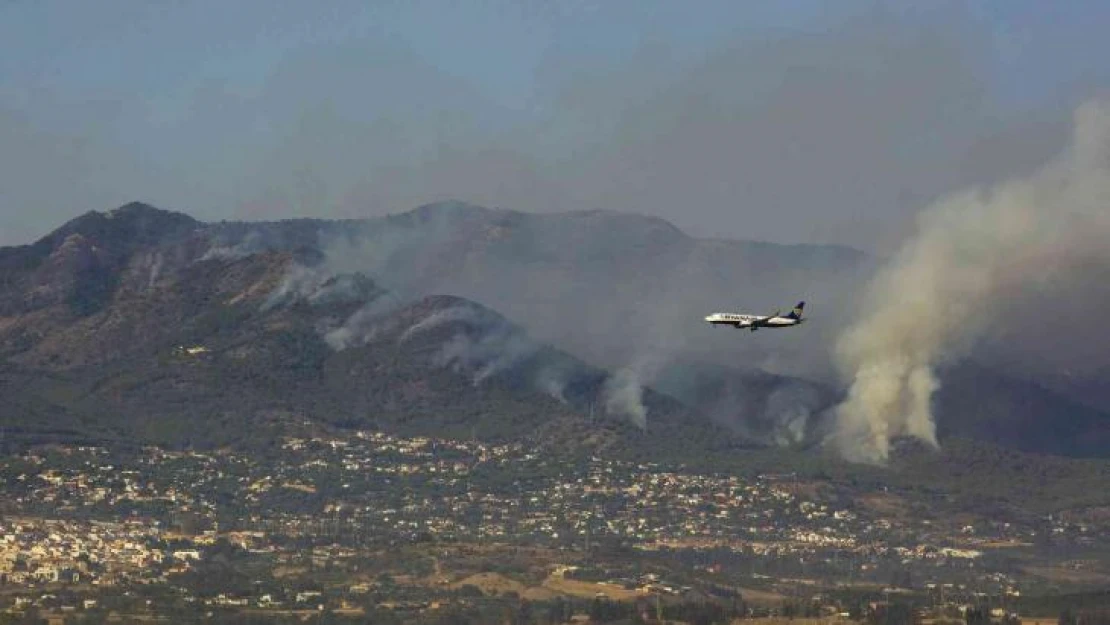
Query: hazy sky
<point>788,120</point>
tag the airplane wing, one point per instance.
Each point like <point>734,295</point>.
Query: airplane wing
<point>763,320</point>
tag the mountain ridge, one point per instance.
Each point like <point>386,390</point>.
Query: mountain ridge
<point>222,348</point>
<point>141,283</point>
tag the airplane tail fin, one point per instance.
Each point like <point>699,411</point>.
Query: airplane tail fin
<point>797,312</point>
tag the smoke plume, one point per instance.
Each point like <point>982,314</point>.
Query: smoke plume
<point>299,282</point>
<point>252,243</point>
<point>439,318</point>
<point>971,253</point>
<point>624,395</point>
<point>553,382</point>
<point>363,326</point>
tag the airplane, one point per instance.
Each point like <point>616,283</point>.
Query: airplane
<point>754,322</point>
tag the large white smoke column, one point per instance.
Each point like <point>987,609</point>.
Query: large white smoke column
<point>952,278</point>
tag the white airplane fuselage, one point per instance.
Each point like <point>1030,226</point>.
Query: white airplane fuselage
<point>747,321</point>
<point>755,322</point>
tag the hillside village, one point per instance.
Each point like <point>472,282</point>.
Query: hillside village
<point>102,521</point>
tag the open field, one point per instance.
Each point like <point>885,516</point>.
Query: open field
<point>762,598</point>
<point>586,590</point>
<point>1069,575</point>
<point>830,620</point>
<point>497,584</point>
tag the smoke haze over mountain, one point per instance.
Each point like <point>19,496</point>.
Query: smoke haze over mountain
<point>621,291</point>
